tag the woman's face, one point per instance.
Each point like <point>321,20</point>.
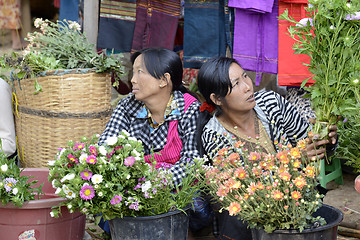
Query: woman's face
<point>241,97</point>
<point>143,84</point>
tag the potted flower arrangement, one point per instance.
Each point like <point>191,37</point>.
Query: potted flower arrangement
<point>330,36</point>
<point>52,79</point>
<point>274,193</point>
<point>114,182</point>
<point>26,201</point>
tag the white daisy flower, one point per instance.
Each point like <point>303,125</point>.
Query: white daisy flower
<point>4,168</point>
<point>111,141</point>
<point>96,178</point>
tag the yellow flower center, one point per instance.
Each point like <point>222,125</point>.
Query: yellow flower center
<point>87,192</point>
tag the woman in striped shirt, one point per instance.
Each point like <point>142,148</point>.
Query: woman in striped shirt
<point>240,113</point>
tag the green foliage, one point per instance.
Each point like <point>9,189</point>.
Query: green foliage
<point>349,142</point>
<point>332,39</point>
<point>121,183</point>
<point>14,188</point>
<point>58,45</point>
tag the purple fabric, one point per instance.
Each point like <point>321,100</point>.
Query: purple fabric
<point>256,39</point>
<point>261,6</point>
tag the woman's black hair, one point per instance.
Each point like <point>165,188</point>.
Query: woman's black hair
<point>213,77</point>
<point>159,61</point>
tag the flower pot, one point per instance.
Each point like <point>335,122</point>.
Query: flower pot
<point>168,226</point>
<point>333,217</point>
<point>33,220</point>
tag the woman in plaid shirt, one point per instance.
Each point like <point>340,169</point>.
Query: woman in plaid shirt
<point>159,111</point>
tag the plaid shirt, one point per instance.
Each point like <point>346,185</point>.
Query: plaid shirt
<point>127,115</point>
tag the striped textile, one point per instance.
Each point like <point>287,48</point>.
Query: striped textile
<point>118,10</point>
<point>170,154</point>
<point>116,24</point>
<point>270,107</point>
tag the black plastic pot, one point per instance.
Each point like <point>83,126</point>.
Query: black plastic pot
<point>333,217</point>
<point>168,226</point>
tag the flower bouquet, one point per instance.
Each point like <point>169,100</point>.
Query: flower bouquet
<point>14,188</point>
<point>269,191</point>
<point>331,37</point>
<point>57,45</point>
<point>115,181</point>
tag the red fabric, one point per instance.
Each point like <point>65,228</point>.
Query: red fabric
<point>291,71</point>
<point>170,154</point>
<point>57,3</point>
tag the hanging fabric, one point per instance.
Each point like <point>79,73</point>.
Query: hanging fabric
<point>204,31</point>
<point>256,35</point>
<point>116,24</point>
<point>69,10</point>
<point>292,71</point>
<point>156,24</point>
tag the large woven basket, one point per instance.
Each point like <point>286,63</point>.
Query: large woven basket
<point>71,105</point>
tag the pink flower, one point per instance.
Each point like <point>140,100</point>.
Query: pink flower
<point>115,200</point>
<point>79,146</point>
<point>72,158</point>
<point>86,175</point>
<point>91,159</point>
<point>87,192</point>
<point>93,151</point>
<point>129,161</point>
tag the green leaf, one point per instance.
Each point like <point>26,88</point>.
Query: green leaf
<point>38,87</point>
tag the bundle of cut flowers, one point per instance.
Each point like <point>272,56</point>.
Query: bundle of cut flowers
<point>268,191</point>
<point>15,189</point>
<point>330,35</point>
<point>115,181</point>
<point>57,45</point>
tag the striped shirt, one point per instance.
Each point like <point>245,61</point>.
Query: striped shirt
<point>277,115</point>
<point>126,116</point>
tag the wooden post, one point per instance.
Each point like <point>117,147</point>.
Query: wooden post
<point>91,20</point>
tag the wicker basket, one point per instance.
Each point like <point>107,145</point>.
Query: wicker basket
<point>72,104</point>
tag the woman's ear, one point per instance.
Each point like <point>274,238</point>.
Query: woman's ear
<point>164,81</point>
<point>215,99</point>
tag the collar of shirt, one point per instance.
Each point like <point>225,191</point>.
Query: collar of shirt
<point>175,107</point>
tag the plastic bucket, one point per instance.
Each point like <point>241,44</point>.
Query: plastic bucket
<point>33,220</point>
<point>168,226</point>
<point>333,217</point>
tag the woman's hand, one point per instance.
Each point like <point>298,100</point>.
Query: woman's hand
<point>316,148</point>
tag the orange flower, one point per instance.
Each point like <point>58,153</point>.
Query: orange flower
<point>285,176</point>
<point>296,195</point>
<point>233,157</point>
<point>310,171</point>
<point>234,208</point>
<point>297,164</point>
<point>246,196</point>
<point>295,152</point>
<point>239,144</point>
<point>301,144</point>
<point>222,191</point>
<point>282,156</point>
<point>260,186</point>
<point>276,194</point>
<point>254,156</point>
<point>299,182</point>
<point>255,171</point>
<point>251,189</point>
<point>223,152</point>
<point>232,184</point>
<point>218,160</point>
<point>241,173</point>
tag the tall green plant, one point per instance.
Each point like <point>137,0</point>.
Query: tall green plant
<point>331,37</point>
